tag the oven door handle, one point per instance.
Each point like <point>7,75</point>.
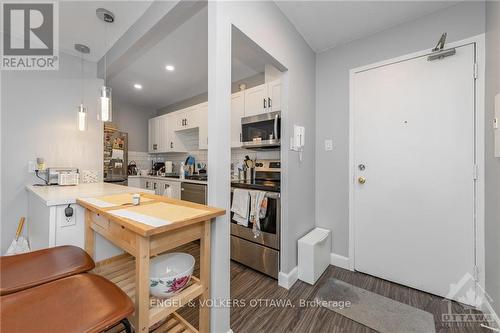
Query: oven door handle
<point>270,195</point>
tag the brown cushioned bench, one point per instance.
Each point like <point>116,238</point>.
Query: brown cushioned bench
<point>79,303</point>
<point>22,271</point>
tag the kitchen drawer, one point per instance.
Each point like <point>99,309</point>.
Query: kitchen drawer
<point>261,258</point>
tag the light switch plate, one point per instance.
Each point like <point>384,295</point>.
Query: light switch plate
<point>328,145</point>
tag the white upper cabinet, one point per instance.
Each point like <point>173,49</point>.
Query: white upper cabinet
<point>274,91</point>
<point>163,132</point>
<point>237,111</point>
<point>154,135</point>
<point>187,118</point>
<point>256,100</point>
<point>173,143</point>
<point>263,98</point>
<point>203,119</point>
<point>167,132</point>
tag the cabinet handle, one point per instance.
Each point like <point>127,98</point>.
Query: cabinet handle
<point>155,146</point>
<point>265,103</point>
<point>166,186</point>
<point>154,186</point>
<point>269,102</point>
<point>171,144</point>
<point>186,121</point>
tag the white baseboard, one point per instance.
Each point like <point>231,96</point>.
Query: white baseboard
<point>287,280</point>
<point>340,261</point>
<point>486,308</point>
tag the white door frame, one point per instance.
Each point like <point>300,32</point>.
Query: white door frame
<point>479,147</point>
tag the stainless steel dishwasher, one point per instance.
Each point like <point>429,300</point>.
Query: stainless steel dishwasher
<point>194,192</point>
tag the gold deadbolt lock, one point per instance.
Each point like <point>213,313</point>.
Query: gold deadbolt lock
<point>361,180</point>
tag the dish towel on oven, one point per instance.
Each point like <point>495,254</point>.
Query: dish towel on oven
<point>258,209</point>
<point>241,203</point>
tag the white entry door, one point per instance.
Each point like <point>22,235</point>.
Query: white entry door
<point>413,124</point>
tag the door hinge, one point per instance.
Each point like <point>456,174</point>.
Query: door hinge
<point>476,70</point>
<point>475,172</point>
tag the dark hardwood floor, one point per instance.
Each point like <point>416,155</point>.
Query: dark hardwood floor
<point>247,284</point>
<point>255,289</point>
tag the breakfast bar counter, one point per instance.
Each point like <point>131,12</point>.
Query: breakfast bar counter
<point>155,226</point>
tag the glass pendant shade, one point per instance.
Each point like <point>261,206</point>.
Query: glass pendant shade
<point>105,101</point>
<point>82,118</point>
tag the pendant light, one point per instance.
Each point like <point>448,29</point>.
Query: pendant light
<point>82,110</point>
<point>105,92</point>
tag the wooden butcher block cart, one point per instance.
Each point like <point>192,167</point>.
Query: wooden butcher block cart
<point>157,225</point>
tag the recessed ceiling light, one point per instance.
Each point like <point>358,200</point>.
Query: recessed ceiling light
<point>138,86</point>
<point>169,68</point>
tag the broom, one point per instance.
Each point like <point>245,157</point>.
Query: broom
<point>19,244</point>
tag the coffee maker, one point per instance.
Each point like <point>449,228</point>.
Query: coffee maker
<point>157,167</point>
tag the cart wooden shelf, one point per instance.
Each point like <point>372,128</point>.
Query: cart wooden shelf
<point>130,271</point>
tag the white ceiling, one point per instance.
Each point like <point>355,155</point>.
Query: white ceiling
<point>326,24</point>
<point>78,23</point>
<point>186,48</point>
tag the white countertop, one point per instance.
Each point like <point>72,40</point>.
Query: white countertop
<point>63,195</point>
<point>172,179</point>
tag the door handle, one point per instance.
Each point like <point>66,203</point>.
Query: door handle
<point>361,180</point>
<point>276,117</point>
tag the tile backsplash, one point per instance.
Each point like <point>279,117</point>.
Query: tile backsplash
<point>142,159</point>
<point>201,156</point>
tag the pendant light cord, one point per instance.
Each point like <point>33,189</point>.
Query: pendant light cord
<point>81,69</point>
<point>105,50</point>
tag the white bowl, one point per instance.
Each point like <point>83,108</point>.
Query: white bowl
<point>169,273</point>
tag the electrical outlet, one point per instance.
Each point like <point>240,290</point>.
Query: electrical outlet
<point>68,221</point>
<point>328,145</point>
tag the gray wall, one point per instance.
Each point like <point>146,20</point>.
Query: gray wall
<point>278,37</point>
<point>251,81</point>
<point>133,120</point>
<point>39,119</point>
<point>492,163</point>
<point>332,100</point>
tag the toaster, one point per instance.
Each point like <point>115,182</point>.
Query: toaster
<point>63,176</point>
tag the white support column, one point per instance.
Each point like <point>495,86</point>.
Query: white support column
<point>219,158</point>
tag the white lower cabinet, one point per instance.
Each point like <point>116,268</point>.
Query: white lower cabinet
<point>171,189</point>
<point>48,226</point>
<point>168,188</point>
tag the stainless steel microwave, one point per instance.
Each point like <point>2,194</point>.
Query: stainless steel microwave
<point>261,132</point>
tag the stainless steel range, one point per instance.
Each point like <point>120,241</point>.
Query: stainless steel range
<point>261,253</point>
